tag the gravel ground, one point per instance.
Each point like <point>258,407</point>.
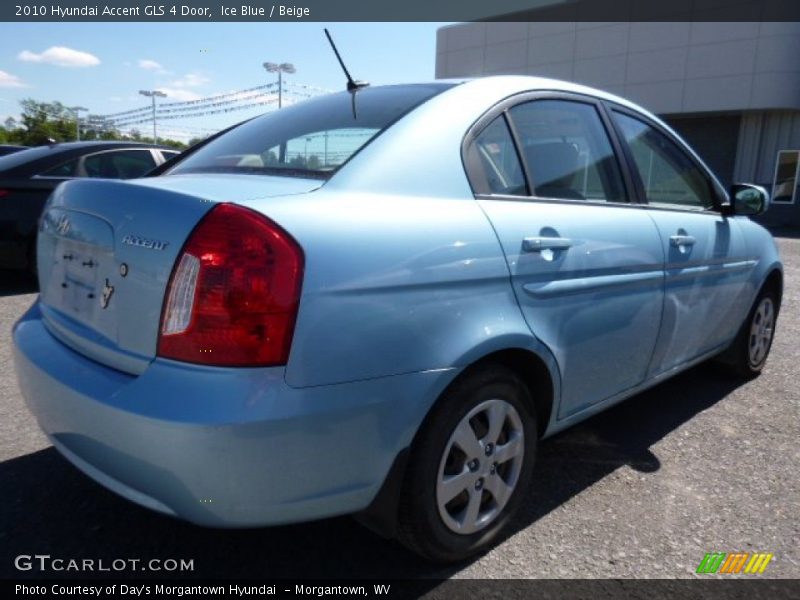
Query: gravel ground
<point>700,463</point>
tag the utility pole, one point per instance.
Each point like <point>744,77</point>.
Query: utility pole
<point>152,94</point>
<point>75,110</point>
<point>280,69</point>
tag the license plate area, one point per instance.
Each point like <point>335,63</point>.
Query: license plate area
<point>80,286</point>
<point>76,264</point>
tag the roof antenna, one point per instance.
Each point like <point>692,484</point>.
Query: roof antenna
<point>352,85</point>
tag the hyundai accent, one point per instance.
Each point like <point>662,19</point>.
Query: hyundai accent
<point>378,302</point>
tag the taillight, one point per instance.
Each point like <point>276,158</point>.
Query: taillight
<point>234,291</point>
<point>4,193</point>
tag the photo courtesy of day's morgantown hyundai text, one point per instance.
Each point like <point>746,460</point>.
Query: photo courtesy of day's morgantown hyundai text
<point>390,329</point>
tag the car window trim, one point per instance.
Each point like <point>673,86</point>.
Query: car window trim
<point>548,200</point>
<point>158,157</point>
<point>719,196</point>
<point>505,105</point>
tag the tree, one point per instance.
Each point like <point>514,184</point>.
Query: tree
<point>197,140</point>
<point>41,122</point>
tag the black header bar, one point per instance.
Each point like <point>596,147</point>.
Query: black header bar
<point>398,10</point>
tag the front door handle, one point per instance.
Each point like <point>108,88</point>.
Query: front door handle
<point>537,244</point>
<point>682,240</point>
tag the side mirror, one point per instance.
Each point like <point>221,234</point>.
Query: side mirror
<point>748,200</point>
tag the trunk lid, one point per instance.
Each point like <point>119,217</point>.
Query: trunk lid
<point>106,250</point>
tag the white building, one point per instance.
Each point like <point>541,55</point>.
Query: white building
<point>731,89</point>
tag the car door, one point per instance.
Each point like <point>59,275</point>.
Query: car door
<point>707,265</point>
<point>586,264</point>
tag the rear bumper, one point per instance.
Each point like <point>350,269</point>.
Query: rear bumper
<point>220,447</point>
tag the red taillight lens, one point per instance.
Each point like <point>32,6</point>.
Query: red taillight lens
<point>234,291</point>
<point>4,193</point>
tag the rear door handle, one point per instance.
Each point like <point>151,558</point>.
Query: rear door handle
<point>537,244</point>
<point>682,240</point>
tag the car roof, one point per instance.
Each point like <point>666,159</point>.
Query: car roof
<point>449,115</point>
<point>30,161</point>
<point>525,83</point>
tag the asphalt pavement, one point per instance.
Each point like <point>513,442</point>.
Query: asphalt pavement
<point>701,463</point>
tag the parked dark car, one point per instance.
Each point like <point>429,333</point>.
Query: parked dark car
<point>28,177</point>
<point>10,149</point>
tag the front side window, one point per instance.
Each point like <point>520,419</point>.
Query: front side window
<point>669,176</point>
<point>309,139</point>
<point>567,151</point>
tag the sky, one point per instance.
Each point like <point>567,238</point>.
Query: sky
<point>102,66</point>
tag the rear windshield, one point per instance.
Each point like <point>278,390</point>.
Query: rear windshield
<point>310,139</point>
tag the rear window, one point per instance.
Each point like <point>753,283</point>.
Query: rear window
<point>310,139</point>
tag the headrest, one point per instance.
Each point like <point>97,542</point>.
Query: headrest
<point>552,165</point>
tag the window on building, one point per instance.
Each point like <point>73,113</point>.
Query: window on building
<point>786,173</point>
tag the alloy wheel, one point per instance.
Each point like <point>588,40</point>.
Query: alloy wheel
<point>480,467</point>
<point>762,328</point>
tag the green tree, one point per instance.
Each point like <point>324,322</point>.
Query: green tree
<point>41,122</point>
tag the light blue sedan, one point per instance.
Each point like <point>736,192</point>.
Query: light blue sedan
<point>377,302</point>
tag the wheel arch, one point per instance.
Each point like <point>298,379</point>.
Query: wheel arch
<point>534,372</point>
<point>774,281</point>
<point>538,372</point>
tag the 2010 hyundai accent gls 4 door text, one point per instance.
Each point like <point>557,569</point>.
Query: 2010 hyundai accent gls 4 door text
<point>377,302</point>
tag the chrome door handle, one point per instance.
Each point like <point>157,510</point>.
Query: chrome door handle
<point>537,244</point>
<point>682,240</point>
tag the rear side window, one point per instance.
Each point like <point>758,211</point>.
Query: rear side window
<point>668,175</point>
<point>66,169</point>
<point>567,151</point>
<point>120,164</point>
<point>495,156</point>
<point>309,139</point>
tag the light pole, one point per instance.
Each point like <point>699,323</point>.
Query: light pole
<point>75,110</point>
<point>280,69</point>
<point>152,94</point>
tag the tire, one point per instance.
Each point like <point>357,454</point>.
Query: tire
<point>749,351</point>
<point>454,503</point>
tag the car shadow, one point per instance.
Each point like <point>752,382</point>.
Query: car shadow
<point>14,282</point>
<point>51,508</point>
